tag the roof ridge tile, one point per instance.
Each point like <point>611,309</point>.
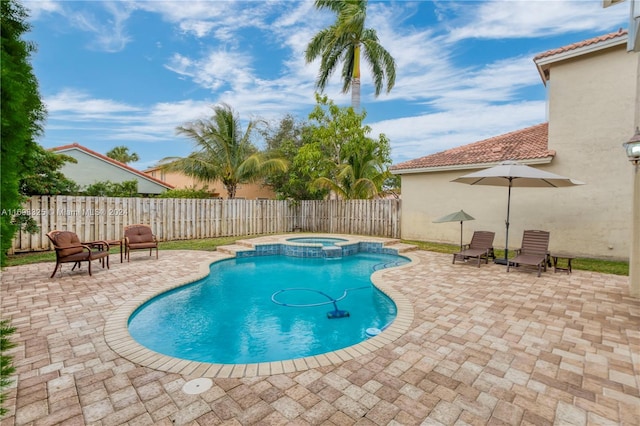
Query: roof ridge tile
<point>621,32</point>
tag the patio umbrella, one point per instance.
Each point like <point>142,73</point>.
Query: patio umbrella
<point>514,174</point>
<point>459,216</point>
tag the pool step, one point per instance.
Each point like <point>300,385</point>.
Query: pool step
<point>401,247</point>
<point>234,248</point>
<point>244,243</point>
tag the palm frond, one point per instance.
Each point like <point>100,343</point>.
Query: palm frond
<point>257,166</point>
<point>325,183</point>
<point>339,42</point>
<point>196,165</point>
<point>380,61</point>
<point>347,68</point>
<point>222,148</point>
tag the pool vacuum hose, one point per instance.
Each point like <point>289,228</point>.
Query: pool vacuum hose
<point>336,313</point>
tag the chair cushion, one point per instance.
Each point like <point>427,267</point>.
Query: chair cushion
<point>138,234</point>
<point>64,241</point>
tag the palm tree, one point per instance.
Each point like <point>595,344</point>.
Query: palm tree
<point>345,41</point>
<point>224,152</point>
<point>121,154</point>
<point>361,175</point>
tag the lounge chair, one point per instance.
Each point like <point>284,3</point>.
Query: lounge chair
<point>139,237</point>
<point>534,250</point>
<point>69,249</point>
<point>480,247</point>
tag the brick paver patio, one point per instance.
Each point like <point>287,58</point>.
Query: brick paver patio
<point>485,347</point>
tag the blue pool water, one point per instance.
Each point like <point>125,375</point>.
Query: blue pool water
<point>267,308</point>
<point>325,241</point>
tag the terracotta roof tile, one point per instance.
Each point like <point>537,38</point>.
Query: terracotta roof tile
<point>599,39</point>
<point>525,144</point>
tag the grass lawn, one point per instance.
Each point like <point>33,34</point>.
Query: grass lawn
<point>595,265</point>
<point>210,244</point>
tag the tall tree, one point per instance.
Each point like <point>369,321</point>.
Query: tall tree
<point>46,178</point>
<point>121,154</point>
<point>341,156</point>
<point>285,141</point>
<point>224,152</point>
<point>345,41</point>
<point>22,115</point>
<point>362,172</point>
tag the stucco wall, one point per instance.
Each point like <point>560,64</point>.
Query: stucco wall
<point>592,102</point>
<point>89,170</point>
<point>251,191</point>
<point>591,113</point>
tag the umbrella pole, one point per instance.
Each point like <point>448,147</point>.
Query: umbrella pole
<point>505,261</point>
<point>460,235</point>
<point>506,243</point>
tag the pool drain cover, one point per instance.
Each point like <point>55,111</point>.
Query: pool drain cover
<point>196,386</point>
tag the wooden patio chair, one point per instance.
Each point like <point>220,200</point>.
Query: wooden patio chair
<point>69,249</point>
<point>480,247</point>
<point>139,237</point>
<point>534,250</point>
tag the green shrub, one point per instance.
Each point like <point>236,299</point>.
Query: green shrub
<point>6,364</point>
<point>107,188</point>
<point>186,193</point>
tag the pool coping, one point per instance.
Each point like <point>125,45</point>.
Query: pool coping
<point>117,335</point>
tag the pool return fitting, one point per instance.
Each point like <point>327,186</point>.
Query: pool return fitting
<point>336,313</point>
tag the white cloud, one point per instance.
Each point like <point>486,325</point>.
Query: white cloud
<point>526,19</point>
<point>218,69</point>
<point>224,19</point>
<point>106,23</point>
<point>417,136</point>
<point>192,10</point>
<point>37,8</point>
<point>199,28</point>
<point>80,104</point>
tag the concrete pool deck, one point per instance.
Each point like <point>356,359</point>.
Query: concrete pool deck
<point>483,347</point>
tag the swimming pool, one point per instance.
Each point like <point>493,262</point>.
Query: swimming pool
<point>119,339</point>
<point>268,308</point>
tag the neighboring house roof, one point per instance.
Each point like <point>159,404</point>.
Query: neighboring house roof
<point>529,145</point>
<point>545,59</point>
<point>115,163</point>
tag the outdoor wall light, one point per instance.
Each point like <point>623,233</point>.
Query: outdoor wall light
<point>632,146</point>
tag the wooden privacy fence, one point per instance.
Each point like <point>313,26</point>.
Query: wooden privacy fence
<point>103,218</point>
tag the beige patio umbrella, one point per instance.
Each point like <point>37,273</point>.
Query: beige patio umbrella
<point>514,174</point>
<point>459,216</point>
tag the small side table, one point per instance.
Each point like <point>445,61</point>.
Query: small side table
<point>116,243</point>
<point>566,257</point>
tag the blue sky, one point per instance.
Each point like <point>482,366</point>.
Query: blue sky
<point>128,72</point>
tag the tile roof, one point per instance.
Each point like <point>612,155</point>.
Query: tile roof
<point>584,43</point>
<point>525,144</point>
<point>116,163</point>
